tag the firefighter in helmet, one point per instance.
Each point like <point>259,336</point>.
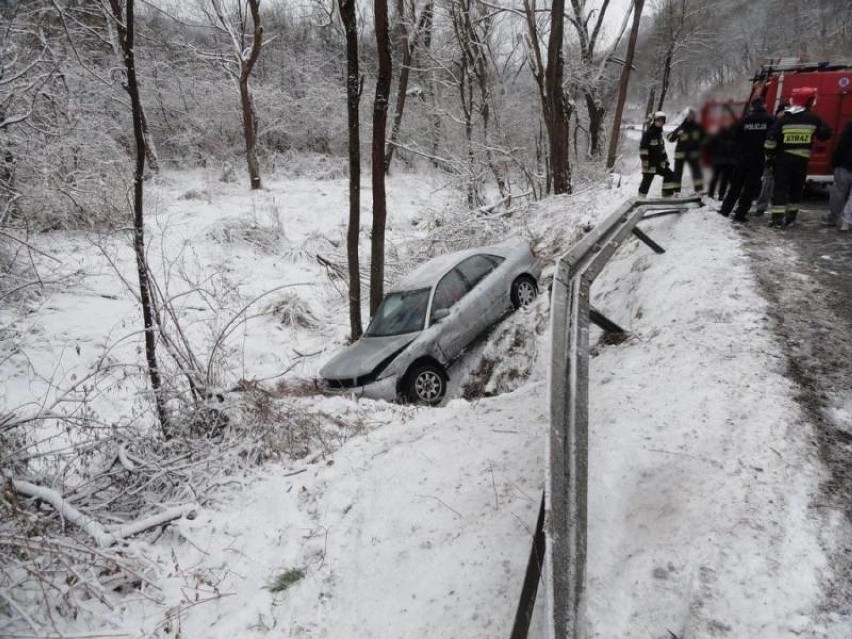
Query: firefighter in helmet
<point>652,151</point>
<point>688,138</point>
<point>788,149</point>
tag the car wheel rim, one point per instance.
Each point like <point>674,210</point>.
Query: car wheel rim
<point>526,293</point>
<point>428,386</point>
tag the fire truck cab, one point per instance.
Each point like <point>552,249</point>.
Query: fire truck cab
<point>777,78</point>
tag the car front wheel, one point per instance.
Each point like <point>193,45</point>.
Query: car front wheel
<point>524,291</point>
<point>426,384</point>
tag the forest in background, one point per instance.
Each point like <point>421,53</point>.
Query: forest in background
<point>471,108</point>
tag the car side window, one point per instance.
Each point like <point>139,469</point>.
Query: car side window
<point>449,290</point>
<point>474,268</point>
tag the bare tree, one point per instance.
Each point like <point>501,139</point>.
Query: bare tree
<point>125,28</point>
<point>556,115</point>
<point>408,42</point>
<point>622,87</point>
<point>675,25</point>
<point>464,80</point>
<point>380,117</point>
<point>554,106</point>
<point>354,83</point>
<point>473,25</point>
<point>245,51</point>
<point>150,147</point>
<point>590,80</point>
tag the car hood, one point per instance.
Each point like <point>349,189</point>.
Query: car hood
<point>365,355</point>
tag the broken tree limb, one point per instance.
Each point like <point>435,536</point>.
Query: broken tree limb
<point>66,511</point>
<point>93,528</point>
<point>190,511</point>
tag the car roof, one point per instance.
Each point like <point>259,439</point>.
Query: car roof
<point>428,273</point>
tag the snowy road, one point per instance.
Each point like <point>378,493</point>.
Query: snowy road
<point>804,272</point>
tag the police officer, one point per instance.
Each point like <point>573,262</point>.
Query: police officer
<point>749,136</point>
<point>652,151</point>
<point>689,137</point>
<point>788,149</point>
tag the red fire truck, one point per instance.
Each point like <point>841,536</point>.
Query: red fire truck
<point>775,82</point>
<point>716,114</point>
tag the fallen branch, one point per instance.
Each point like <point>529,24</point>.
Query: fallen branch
<point>92,527</point>
<point>141,525</point>
<point>66,511</point>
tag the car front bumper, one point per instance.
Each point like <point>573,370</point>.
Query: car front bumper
<point>382,389</point>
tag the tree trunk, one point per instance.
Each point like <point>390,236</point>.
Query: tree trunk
<point>249,115</point>
<point>249,131</point>
<point>667,72</point>
<point>125,31</point>
<point>622,86</point>
<point>596,118</point>
<point>353,97</point>
<point>150,149</point>
<point>246,58</point>
<point>555,111</point>
<point>435,125</point>
<point>409,42</point>
<point>472,190</point>
<point>380,117</point>
<point>649,107</point>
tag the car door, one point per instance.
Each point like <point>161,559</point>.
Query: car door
<point>488,292</point>
<point>453,313</point>
<point>462,291</point>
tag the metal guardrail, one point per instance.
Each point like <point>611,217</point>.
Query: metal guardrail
<point>563,515</point>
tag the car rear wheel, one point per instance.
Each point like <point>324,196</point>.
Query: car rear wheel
<point>524,291</point>
<point>426,384</point>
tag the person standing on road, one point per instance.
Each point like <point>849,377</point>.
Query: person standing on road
<point>788,149</point>
<point>689,137</point>
<point>840,202</point>
<point>723,153</point>
<point>652,151</point>
<point>749,135</point>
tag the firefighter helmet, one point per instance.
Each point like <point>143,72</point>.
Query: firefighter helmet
<point>660,115</point>
<point>803,97</point>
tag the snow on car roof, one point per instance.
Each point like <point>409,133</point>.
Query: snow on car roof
<point>428,273</point>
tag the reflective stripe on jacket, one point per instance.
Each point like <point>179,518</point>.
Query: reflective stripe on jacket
<point>794,133</point>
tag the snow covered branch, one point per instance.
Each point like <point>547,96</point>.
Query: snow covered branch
<point>93,528</point>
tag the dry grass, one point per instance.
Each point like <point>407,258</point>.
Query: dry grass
<point>262,231</point>
<point>291,310</point>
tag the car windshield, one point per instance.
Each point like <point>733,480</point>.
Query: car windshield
<point>403,312</point>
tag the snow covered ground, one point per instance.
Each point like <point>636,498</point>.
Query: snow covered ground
<point>703,472</point>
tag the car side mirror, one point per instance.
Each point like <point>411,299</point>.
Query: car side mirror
<point>440,314</point>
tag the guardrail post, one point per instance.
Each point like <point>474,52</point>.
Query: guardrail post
<point>530,589</point>
<point>603,322</point>
<point>647,240</point>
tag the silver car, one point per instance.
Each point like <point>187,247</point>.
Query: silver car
<point>427,320</point>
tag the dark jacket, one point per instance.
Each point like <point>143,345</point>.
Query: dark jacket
<point>793,135</point>
<point>652,149</point>
<point>750,135</point>
<point>842,156</point>
<point>689,137</point>
<point>723,147</point>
